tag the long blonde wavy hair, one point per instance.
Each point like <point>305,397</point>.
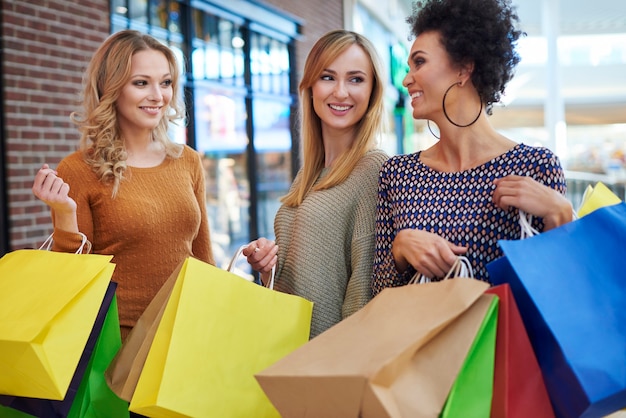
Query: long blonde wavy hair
<point>108,72</point>
<point>323,53</point>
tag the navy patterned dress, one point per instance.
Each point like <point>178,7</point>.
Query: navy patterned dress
<point>457,206</point>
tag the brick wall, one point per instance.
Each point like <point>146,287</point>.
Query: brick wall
<point>319,17</point>
<point>46,47</point>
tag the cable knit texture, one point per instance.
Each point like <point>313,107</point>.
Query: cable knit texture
<point>326,245</point>
<point>157,219</point>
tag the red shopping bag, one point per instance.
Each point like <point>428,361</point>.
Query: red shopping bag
<point>518,390</point>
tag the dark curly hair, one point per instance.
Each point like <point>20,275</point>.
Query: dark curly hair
<point>480,31</point>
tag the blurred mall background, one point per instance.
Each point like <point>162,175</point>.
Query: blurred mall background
<point>243,59</point>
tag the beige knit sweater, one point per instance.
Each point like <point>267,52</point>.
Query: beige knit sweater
<point>157,219</point>
<point>326,245</point>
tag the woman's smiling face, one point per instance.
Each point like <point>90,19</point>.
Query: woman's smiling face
<point>146,96</point>
<point>342,93</point>
<point>429,76</point>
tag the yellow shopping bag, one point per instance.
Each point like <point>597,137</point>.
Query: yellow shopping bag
<point>596,197</point>
<point>48,306</point>
<point>216,332</point>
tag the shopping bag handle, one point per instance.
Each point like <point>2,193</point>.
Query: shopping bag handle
<point>525,223</point>
<point>231,265</point>
<point>460,268</point>
<point>47,244</point>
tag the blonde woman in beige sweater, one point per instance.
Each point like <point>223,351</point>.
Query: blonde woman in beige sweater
<point>325,227</point>
<point>133,192</point>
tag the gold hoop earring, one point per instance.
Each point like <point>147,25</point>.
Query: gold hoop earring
<point>443,104</point>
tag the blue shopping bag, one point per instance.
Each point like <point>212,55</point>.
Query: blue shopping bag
<point>570,287</point>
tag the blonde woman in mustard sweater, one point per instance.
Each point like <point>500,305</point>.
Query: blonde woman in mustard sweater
<point>325,227</point>
<point>133,192</point>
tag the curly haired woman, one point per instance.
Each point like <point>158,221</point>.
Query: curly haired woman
<point>130,190</point>
<point>463,194</point>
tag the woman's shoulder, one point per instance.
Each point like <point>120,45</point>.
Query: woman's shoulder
<point>377,154</point>
<point>188,156</point>
<point>74,157</point>
<point>188,152</point>
<point>75,161</point>
<point>531,151</point>
<point>372,160</point>
<point>536,161</point>
<point>75,170</point>
<point>399,161</point>
<point>529,155</point>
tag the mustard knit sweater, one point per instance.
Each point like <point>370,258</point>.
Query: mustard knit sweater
<point>326,245</point>
<point>157,219</point>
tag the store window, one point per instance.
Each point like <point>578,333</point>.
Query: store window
<point>222,140</point>
<point>272,138</point>
<point>164,14</point>
<point>269,62</point>
<point>225,102</point>
<point>217,49</point>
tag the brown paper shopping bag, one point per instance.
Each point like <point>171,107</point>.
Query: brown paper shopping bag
<point>123,373</point>
<point>396,357</point>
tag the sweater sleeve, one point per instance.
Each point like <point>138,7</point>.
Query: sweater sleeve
<point>71,170</point>
<point>201,246</point>
<point>358,290</point>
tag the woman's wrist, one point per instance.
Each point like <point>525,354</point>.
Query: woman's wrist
<point>555,219</point>
<point>68,225</point>
<point>265,278</point>
<point>400,261</point>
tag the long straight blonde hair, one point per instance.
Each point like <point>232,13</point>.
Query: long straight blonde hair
<point>106,75</point>
<point>323,53</point>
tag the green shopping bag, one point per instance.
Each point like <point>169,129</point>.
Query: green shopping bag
<point>94,398</point>
<point>472,391</point>
<point>6,412</point>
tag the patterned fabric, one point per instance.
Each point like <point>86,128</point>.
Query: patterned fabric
<point>326,245</point>
<point>457,206</point>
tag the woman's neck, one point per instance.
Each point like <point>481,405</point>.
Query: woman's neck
<point>460,149</point>
<point>144,152</point>
<point>336,143</point>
